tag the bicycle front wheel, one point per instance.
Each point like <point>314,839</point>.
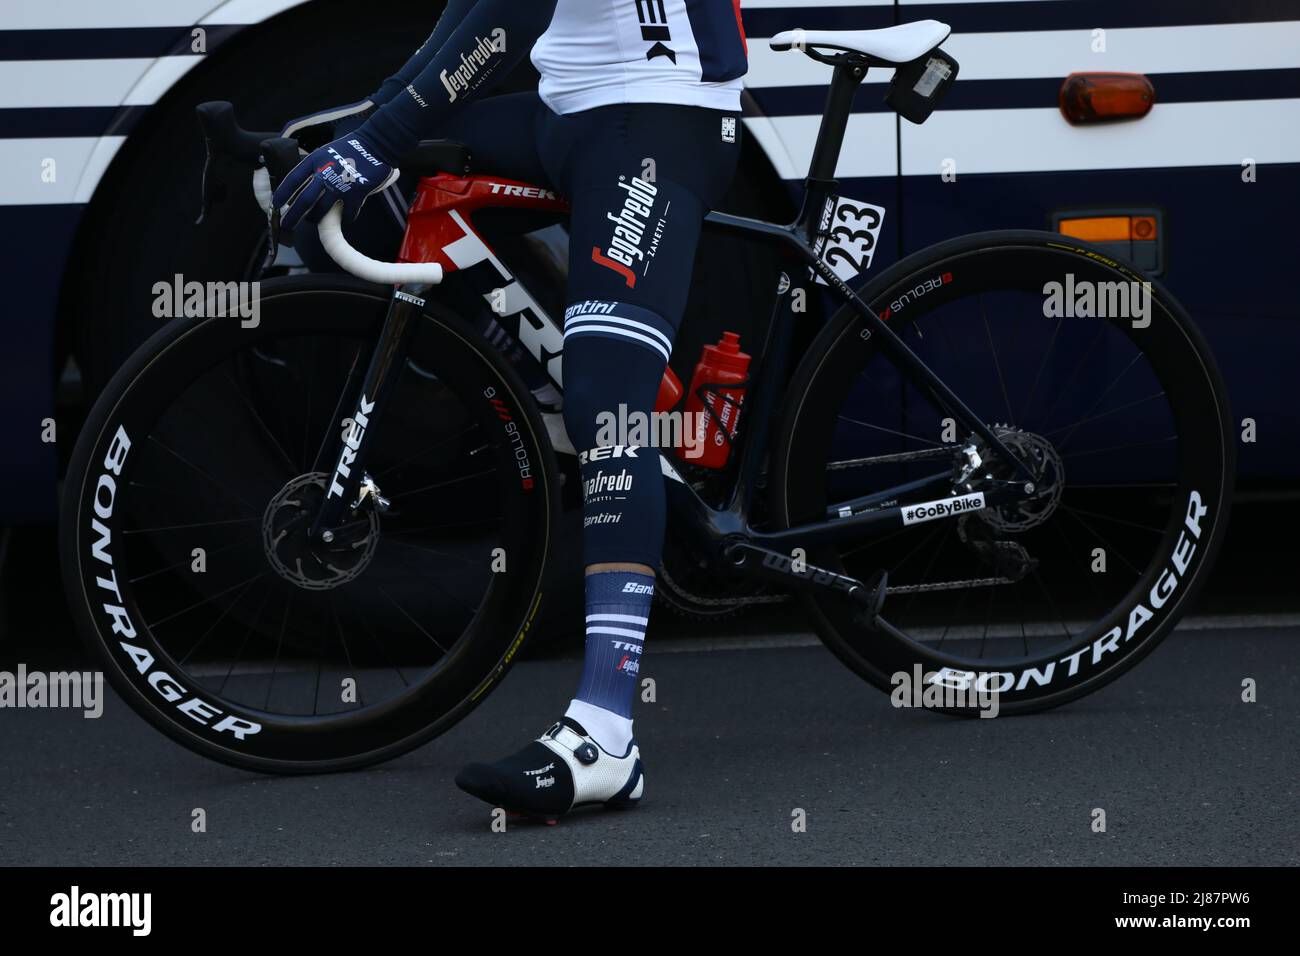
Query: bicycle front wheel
<point>185,554</point>
<point>1096,379</point>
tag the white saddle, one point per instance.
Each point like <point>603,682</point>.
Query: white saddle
<point>900,44</point>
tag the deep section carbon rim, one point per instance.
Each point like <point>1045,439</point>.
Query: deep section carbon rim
<point>1122,418</point>
<point>231,630</point>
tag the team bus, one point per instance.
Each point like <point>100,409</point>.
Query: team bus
<point>1188,166</point>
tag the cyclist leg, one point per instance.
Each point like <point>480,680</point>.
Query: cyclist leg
<point>641,178</point>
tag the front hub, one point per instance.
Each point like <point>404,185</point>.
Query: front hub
<point>311,564</point>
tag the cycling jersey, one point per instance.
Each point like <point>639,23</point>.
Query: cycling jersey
<point>590,53</point>
<point>599,52</point>
<point>637,124</point>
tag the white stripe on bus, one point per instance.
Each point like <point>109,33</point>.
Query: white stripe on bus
<point>1040,140</point>
<point>979,141</point>
<point>107,14</point>
<point>1013,55</point>
<point>137,81</point>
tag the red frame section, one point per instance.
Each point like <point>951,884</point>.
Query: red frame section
<point>430,227</point>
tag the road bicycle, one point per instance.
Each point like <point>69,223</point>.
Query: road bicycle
<point>317,541</point>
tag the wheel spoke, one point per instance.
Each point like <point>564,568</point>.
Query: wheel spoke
<point>185,461</point>
<point>890,431</point>
<point>1124,447</point>
<point>153,625</point>
<point>1065,384</point>
<point>997,366</point>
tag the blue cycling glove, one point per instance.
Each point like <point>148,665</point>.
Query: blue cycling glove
<point>346,170</point>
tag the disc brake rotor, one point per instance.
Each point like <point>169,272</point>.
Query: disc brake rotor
<point>1044,461</point>
<point>312,565</point>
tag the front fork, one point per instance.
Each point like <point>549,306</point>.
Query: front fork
<point>367,399</point>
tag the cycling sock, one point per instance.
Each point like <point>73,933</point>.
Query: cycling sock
<point>618,610</point>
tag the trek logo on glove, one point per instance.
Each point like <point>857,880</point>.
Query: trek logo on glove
<point>346,174</point>
<point>345,171</point>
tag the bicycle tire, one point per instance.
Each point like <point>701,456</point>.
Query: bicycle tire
<point>924,283</point>
<point>137,397</point>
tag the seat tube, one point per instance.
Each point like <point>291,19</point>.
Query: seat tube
<point>845,81</point>
<point>367,409</point>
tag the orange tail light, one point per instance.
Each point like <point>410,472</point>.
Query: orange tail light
<point>1100,97</point>
<point>1109,228</point>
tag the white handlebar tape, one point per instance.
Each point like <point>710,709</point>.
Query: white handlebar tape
<point>262,190</point>
<point>362,266</point>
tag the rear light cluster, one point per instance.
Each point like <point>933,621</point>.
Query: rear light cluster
<point>1110,228</point>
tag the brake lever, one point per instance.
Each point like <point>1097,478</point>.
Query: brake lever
<point>207,186</point>
<point>279,155</point>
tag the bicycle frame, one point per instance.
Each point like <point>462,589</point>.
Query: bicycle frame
<point>438,232</point>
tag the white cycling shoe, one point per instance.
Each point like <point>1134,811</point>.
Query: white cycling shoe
<point>560,770</point>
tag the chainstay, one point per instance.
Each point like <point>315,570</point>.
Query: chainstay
<point>784,598</point>
<point>890,459</point>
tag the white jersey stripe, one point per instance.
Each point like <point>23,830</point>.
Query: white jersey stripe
<point>623,333</point>
<point>617,631</point>
<point>619,320</point>
<point>619,618</point>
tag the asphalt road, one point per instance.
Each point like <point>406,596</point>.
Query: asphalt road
<point>739,738</point>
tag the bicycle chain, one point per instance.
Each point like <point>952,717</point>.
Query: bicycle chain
<point>720,602</point>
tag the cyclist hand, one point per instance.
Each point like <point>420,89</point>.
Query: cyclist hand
<point>312,130</point>
<point>346,170</point>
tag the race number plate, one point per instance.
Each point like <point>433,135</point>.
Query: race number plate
<point>852,229</point>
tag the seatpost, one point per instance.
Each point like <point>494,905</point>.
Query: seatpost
<point>847,77</point>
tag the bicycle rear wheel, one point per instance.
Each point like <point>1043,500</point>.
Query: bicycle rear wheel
<point>1124,418</point>
<point>184,551</point>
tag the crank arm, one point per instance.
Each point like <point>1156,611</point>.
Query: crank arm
<point>801,576</point>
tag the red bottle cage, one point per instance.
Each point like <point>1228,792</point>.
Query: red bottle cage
<point>715,390</point>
